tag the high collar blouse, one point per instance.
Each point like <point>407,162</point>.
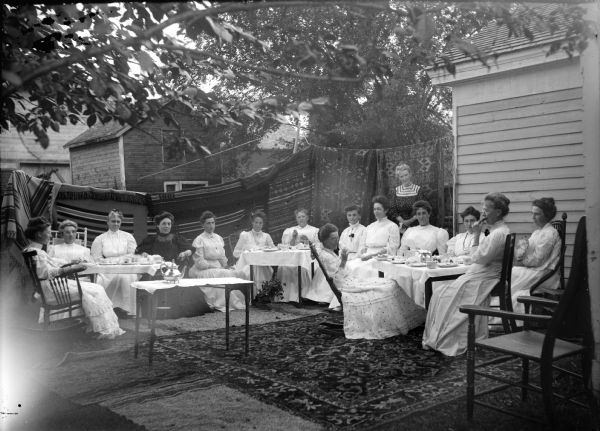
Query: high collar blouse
<point>351,237</point>
<point>425,238</point>
<point>543,248</point>
<point>379,235</point>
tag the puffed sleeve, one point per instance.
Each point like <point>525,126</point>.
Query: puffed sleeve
<point>131,244</point>
<point>242,244</point>
<point>183,244</point>
<point>362,243</point>
<point>540,248</point>
<point>393,239</point>
<point>146,245</point>
<point>45,268</point>
<point>199,261</point>
<point>97,247</point>
<point>269,241</point>
<point>222,257</point>
<point>406,243</point>
<point>442,240</point>
<point>286,237</point>
<point>451,245</point>
<point>490,248</point>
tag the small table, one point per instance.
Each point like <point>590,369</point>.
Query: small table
<point>299,258</point>
<point>148,288</point>
<point>417,282</point>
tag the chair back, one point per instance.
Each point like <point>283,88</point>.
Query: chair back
<point>561,227</point>
<point>502,287</point>
<point>332,286</point>
<point>62,301</point>
<point>572,317</point>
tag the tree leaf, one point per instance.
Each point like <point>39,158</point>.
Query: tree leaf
<point>12,77</point>
<point>91,120</point>
<point>220,31</point>
<point>146,62</point>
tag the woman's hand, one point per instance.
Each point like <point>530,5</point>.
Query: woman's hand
<point>184,254</point>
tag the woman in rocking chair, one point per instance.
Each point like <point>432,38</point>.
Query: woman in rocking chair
<point>374,308</point>
<point>96,305</point>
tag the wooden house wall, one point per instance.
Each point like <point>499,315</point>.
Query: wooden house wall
<point>525,144</point>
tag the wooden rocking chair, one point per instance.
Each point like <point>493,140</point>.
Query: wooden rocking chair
<point>561,227</point>
<point>59,299</point>
<point>571,317</point>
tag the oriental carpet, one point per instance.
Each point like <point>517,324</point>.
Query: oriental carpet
<point>328,381</point>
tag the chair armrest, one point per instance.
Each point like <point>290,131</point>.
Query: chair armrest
<point>475,310</point>
<point>535,300</point>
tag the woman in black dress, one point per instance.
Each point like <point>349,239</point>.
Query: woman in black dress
<point>406,194</point>
<point>170,246</point>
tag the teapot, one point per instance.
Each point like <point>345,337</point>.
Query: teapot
<point>170,272</point>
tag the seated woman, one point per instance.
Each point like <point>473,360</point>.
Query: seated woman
<point>461,244</point>
<point>97,307</point>
<point>446,327</point>
<point>351,237</point>
<point>424,236</point>
<point>68,251</point>
<point>381,237</point>
<point>538,255</point>
<point>374,308</point>
<point>170,246</point>
<point>210,262</point>
<point>303,233</point>
<point>255,238</point>
<point>113,244</point>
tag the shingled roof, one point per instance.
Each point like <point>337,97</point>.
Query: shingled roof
<point>493,40</point>
<point>99,133</point>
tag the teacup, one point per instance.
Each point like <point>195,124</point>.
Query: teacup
<point>432,264</point>
<point>467,260</point>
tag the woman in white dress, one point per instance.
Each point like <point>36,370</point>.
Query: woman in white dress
<point>98,309</point>
<point>538,255</point>
<point>461,244</point>
<point>112,245</point>
<point>374,308</point>
<point>446,327</point>
<point>351,237</point>
<point>380,237</point>
<point>292,236</point>
<point>424,236</point>
<point>210,261</point>
<point>255,239</point>
<point>68,250</point>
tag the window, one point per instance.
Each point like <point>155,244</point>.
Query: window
<point>176,186</point>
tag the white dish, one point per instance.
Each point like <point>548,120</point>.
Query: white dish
<point>398,262</point>
<point>447,265</point>
<point>271,249</point>
<point>418,265</point>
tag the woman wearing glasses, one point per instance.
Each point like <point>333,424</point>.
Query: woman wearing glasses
<point>113,244</point>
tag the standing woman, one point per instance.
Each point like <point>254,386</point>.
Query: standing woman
<point>210,261</point>
<point>380,237</point>
<point>169,245</point>
<point>446,327</point>
<point>112,244</point>
<point>255,238</point>
<point>461,244</point>
<point>98,309</point>
<point>406,194</point>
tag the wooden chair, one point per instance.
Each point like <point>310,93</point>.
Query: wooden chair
<point>331,327</point>
<point>502,287</point>
<point>80,237</point>
<point>59,299</point>
<point>561,227</point>
<point>545,349</point>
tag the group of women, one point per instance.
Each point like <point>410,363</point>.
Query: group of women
<point>377,307</point>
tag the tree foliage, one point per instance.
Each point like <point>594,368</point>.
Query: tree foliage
<point>344,61</point>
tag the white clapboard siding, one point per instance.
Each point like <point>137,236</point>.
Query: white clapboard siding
<point>526,147</point>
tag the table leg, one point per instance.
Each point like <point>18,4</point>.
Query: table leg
<point>137,322</point>
<point>252,279</point>
<point>247,290</point>
<point>227,292</point>
<point>299,285</point>
<point>380,274</point>
<point>153,312</point>
<point>428,292</point>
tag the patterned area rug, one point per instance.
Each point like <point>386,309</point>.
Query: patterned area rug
<point>336,382</point>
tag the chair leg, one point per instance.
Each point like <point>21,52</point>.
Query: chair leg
<point>524,378</point>
<point>471,368</point>
<point>586,366</point>
<point>547,391</point>
<point>46,320</point>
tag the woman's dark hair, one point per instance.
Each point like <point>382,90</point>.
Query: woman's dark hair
<point>470,211</point>
<point>382,200</point>
<point>258,214</point>
<point>302,210</point>
<point>547,206</point>
<point>352,208</point>
<point>326,230</point>
<point>36,225</point>
<point>206,215</point>
<point>163,215</point>
<point>422,204</point>
<point>500,202</point>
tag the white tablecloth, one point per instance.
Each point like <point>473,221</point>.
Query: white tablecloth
<point>154,285</point>
<point>95,268</point>
<point>412,279</point>
<point>275,258</point>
